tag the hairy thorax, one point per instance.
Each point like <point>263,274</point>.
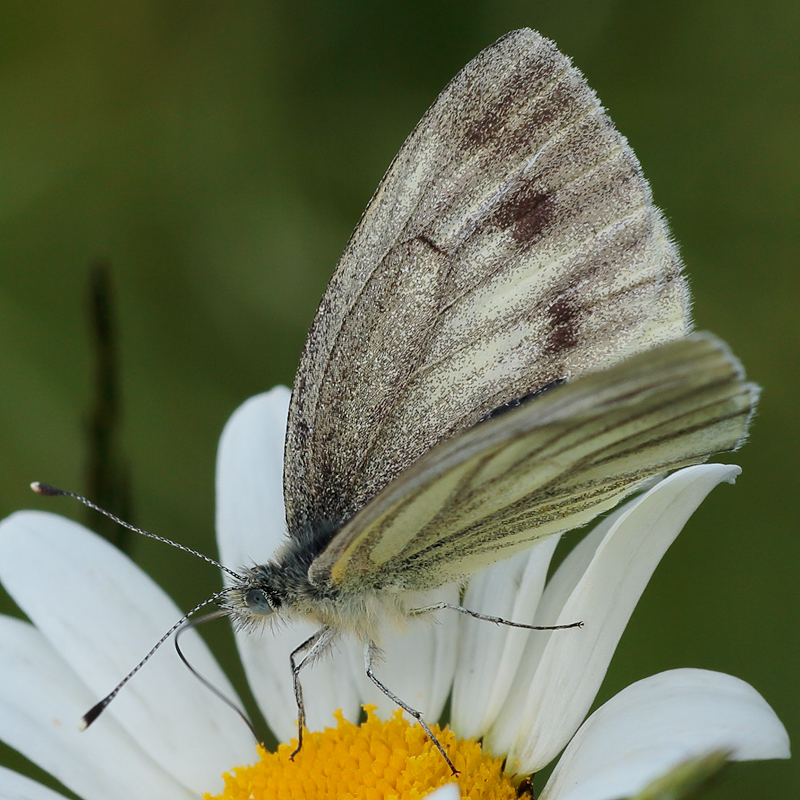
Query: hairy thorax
<point>272,593</point>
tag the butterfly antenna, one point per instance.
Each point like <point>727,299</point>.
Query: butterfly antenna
<point>193,623</point>
<point>96,710</point>
<point>46,490</point>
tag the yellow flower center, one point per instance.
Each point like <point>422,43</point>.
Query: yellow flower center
<point>373,761</point>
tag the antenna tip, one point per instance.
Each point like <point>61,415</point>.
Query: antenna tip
<point>45,489</point>
<point>92,714</point>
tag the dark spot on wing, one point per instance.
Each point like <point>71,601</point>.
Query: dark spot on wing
<point>526,211</point>
<point>532,218</point>
<point>540,93</point>
<point>479,131</point>
<point>564,315</point>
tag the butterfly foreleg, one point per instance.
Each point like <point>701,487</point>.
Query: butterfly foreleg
<point>416,612</point>
<point>370,652</point>
<point>309,649</point>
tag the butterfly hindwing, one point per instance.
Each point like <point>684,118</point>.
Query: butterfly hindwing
<point>512,242</point>
<point>543,468</point>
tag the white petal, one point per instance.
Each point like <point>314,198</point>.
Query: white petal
<point>449,791</point>
<point>102,614</point>
<point>489,655</point>
<point>659,722</point>
<point>41,700</point>
<point>250,516</point>
<point>418,663</point>
<point>558,590</point>
<point>250,526</point>
<point>14,786</point>
<point>573,663</point>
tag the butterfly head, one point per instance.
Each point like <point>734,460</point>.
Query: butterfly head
<point>257,597</point>
<point>275,591</point>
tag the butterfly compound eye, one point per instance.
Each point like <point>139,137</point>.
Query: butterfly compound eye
<point>258,602</point>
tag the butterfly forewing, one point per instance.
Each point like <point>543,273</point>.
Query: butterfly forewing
<point>512,242</point>
<point>543,468</point>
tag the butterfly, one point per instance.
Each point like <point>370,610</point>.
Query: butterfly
<point>504,351</point>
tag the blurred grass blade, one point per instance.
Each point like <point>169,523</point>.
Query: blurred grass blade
<point>107,474</point>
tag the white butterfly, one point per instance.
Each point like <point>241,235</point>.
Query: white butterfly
<point>503,352</point>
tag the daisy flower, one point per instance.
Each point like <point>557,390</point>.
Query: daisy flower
<point>522,695</point>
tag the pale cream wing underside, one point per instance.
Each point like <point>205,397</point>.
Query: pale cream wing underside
<point>543,468</point>
<point>513,241</point>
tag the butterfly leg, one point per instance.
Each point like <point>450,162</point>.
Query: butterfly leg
<point>310,649</point>
<point>370,650</point>
<point>415,612</point>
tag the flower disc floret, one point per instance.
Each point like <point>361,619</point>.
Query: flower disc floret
<point>371,761</point>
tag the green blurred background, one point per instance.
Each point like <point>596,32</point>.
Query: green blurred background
<point>219,154</point>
